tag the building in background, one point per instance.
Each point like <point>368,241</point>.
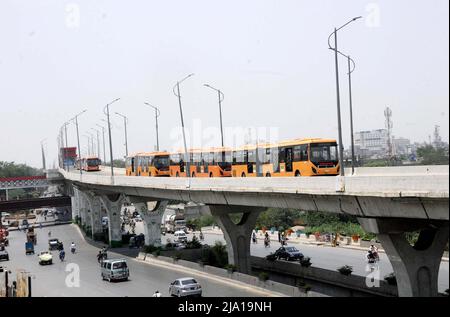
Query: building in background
<point>371,144</point>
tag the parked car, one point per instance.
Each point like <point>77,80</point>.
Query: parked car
<point>138,218</point>
<point>53,244</point>
<point>186,286</point>
<point>114,269</point>
<point>45,257</point>
<point>288,253</point>
<point>4,254</point>
<point>180,236</point>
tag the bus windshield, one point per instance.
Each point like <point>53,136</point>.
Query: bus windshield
<point>161,162</point>
<point>93,162</point>
<point>323,152</point>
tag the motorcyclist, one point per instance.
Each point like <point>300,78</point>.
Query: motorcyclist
<point>157,294</point>
<point>72,247</point>
<point>104,254</point>
<point>99,256</point>
<point>266,242</point>
<point>254,237</point>
<point>374,250</point>
<point>62,255</point>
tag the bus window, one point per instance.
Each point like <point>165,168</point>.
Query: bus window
<point>301,153</point>
<point>323,152</point>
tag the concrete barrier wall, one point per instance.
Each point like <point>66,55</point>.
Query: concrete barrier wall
<point>189,264</point>
<point>353,285</point>
<point>328,277</point>
<point>244,278</point>
<point>185,254</point>
<point>165,259</point>
<point>216,271</point>
<point>141,256</point>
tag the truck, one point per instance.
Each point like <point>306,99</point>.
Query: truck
<point>31,235</point>
<point>3,236</point>
<point>175,222</point>
<point>67,157</point>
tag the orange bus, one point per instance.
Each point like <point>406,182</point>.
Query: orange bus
<point>302,157</point>
<point>151,164</point>
<point>210,162</point>
<point>91,163</point>
<point>130,164</point>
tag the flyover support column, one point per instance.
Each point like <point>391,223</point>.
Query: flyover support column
<point>113,205</point>
<point>237,235</point>
<point>152,220</point>
<point>83,209</point>
<point>416,267</point>
<point>75,199</point>
<point>95,214</point>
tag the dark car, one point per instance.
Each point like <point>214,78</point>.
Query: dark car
<point>53,244</point>
<point>4,254</point>
<point>288,253</point>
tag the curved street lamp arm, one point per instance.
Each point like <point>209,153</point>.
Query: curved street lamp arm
<point>354,19</point>
<point>222,96</point>
<point>104,109</point>
<point>179,82</point>
<point>79,114</point>
<point>347,56</point>
<point>156,108</point>
<point>123,116</point>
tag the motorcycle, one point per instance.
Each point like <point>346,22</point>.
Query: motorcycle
<point>266,243</point>
<point>72,249</point>
<point>62,255</point>
<point>372,257</point>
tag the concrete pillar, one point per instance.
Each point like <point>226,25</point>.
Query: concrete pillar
<point>416,267</point>
<point>238,235</point>
<point>151,218</point>
<point>94,213</point>
<point>113,205</point>
<point>75,200</point>
<point>82,203</point>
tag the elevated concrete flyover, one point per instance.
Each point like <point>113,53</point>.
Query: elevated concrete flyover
<point>401,196</point>
<point>387,201</point>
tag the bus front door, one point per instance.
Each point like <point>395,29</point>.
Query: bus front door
<point>288,159</point>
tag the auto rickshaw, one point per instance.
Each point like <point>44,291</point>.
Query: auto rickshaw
<point>29,248</point>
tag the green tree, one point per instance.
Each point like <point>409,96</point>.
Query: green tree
<point>11,169</point>
<point>433,156</point>
<point>285,218</point>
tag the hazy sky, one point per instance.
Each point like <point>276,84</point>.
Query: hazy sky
<point>269,57</point>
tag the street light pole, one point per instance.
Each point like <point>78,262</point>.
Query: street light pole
<point>351,111</point>
<point>43,154</point>
<point>65,129</point>
<point>221,98</point>
<point>341,146</point>
<point>104,151</point>
<point>157,114</point>
<point>186,156</point>
<point>125,120</point>
<point>98,142</point>
<point>109,130</point>
<point>78,135</point>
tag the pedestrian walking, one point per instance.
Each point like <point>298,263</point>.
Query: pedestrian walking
<point>279,236</point>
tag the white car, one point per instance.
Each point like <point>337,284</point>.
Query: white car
<point>180,236</point>
<point>186,286</point>
<point>45,257</point>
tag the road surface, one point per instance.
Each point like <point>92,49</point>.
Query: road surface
<point>145,278</point>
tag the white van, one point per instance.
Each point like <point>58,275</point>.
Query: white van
<point>180,236</point>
